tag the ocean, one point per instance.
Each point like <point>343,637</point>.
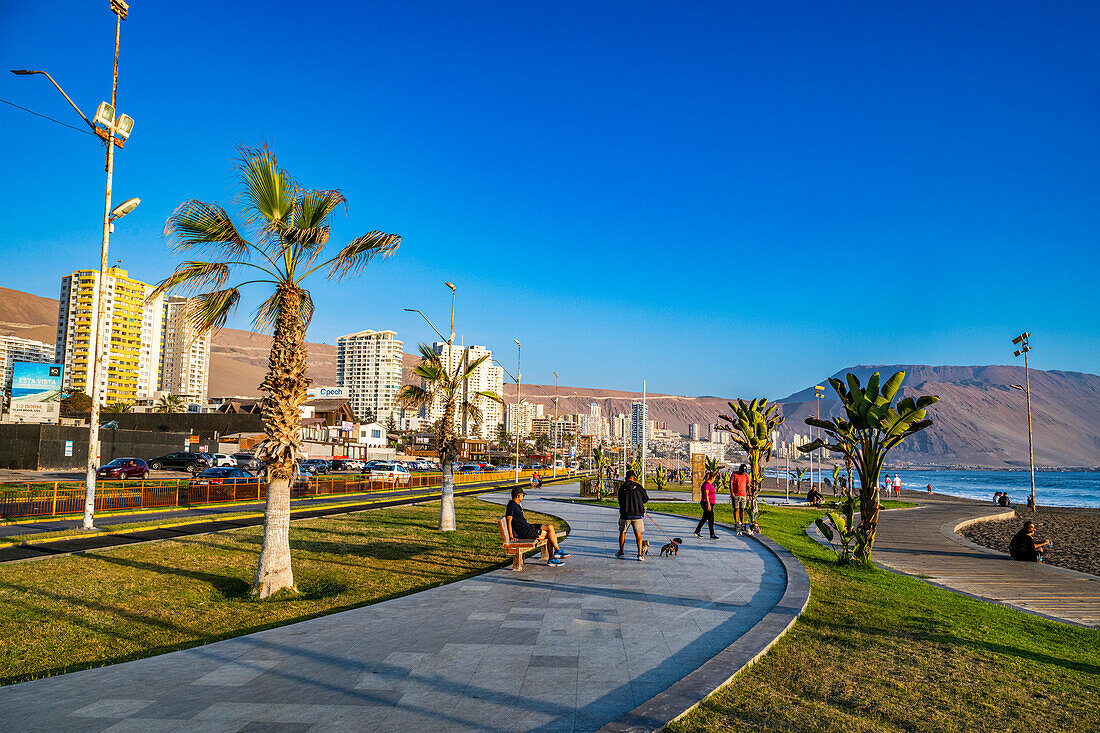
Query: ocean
<point>1052,488</point>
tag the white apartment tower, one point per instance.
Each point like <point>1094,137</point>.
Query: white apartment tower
<point>184,354</point>
<point>368,365</point>
<point>486,378</point>
<point>13,349</point>
<point>130,341</point>
<point>521,415</point>
<point>639,423</point>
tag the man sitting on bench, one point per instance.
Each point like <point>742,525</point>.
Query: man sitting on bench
<point>521,530</point>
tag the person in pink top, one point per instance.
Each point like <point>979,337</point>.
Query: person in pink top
<point>707,503</point>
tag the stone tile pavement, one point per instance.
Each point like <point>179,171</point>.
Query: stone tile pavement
<point>549,649</point>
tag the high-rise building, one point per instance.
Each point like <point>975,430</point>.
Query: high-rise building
<point>639,423</point>
<point>521,415</point>
<point>486,378</point>
<point>13,349</point>
<point>620,428</point>
<point>130,341</point>
<point>595,411</point>
<point>184,353</point>
<point>368,365</point>
<point>693,431</point>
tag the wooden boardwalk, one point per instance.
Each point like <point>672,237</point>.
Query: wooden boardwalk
<point>923,542</point>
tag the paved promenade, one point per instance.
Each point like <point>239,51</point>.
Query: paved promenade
<point>923,542</point>
<point>572,648</point>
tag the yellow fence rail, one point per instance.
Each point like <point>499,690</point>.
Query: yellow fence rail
<point>58,498</point>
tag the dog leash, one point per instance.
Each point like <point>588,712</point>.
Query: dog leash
<point>658,526</point>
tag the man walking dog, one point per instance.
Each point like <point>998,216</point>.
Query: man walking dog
<point>632,501</point>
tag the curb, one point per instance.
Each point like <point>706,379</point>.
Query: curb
<point>687,694</point>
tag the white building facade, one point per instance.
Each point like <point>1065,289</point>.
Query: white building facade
<point>368,365</point>
<point>521,416</point>
<point>639,423</point>
<point>184,354</point>
<point>486,378</point>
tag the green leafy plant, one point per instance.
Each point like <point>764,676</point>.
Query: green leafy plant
<point>660,477</point>
<point>598,457</point>
<point>799,476</point>
<point>872,426</point>
<point>844,537</point>
<point>836,479</point>
<point>750,426</point>
<point>169,403</point>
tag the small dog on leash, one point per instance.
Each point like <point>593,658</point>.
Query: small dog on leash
<point>645,547</point>
<point>672,547</point>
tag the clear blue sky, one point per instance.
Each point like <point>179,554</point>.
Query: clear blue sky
<point>724,198</point>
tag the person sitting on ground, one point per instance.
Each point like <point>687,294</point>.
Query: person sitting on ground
<point>1023,546</point>
<point>521,530</point>
<point>632,501</point>
<point>997,499</point>
<point>813,496</point>
<point>1005,501</point>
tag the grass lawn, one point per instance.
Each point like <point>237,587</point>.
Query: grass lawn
<point>877,651</point>
<point>67,613</point>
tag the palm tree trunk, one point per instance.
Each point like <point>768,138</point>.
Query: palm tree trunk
<point>285,383</point>
<point>447,457</point>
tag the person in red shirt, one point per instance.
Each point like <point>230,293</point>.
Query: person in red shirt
<point>707,504</point>
<point>739,496</point>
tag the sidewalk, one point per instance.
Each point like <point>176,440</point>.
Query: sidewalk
<point>923,542</point>
<point>570,648</point>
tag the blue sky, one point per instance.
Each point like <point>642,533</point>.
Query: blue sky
<point>723,198</point>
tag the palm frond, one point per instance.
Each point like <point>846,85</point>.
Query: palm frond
<point>192,276</point>
<point>309,222</point>
<point>413,396</point>
<point>268,191</point>
<point>490,395</point>
<point>472,366</point>
<point>359,252</point>
<point>268,311</point>
<point>211,310</point>
<point>199,224</point>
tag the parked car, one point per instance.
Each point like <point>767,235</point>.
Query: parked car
<point>247,460</point>
<point>222,475</point>
<point>124,468</point>
<point>317,465</point>
<point>190,462</point>
<point>223,459</point>
<point>469,468</point>
<point>390,471</point>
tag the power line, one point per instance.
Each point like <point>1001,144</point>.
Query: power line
<point>46,117</point>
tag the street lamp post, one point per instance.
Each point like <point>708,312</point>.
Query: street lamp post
<point>115,130</point>
<point>519,376</point>
<point>554,427</point>
<point>514,414</point>
<point>1022,342</point>
<point>819,394</point>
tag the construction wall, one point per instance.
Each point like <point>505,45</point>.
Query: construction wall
<point>43,447</point>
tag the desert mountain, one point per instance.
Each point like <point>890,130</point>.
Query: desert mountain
<point>980,420</point>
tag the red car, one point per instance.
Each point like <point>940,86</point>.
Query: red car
<point>124,468</point>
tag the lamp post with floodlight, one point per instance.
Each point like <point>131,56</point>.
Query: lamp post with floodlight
<point>1022,342</point>
<point>113,130</point>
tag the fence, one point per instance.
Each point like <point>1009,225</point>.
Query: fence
<point>53,498</point>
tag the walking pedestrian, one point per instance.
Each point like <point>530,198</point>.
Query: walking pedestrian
<point>707,504</point>
<point>632,501</point>
<point>897,485</point>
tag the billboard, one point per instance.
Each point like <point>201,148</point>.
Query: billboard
<point>328,393</point>
<point>35,392</point>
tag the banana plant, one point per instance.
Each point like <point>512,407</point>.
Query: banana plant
<point>871,427</point>
<point>800,474</point>
<point>750,426</point>
<point>836,479</point>
<point>844,537</point>
<point>598,457</point>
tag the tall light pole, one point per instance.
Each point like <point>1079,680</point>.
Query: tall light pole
<point>819,394</point>
<point>519,376</point>
<point>114,131</point>
<point>514,421</point>
<point>554,426</point>
<point>1022,342</point>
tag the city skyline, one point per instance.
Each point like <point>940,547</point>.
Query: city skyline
<point>805,146</point>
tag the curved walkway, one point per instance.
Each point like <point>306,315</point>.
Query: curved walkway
<point>572,648</point>
<point>923,542</point>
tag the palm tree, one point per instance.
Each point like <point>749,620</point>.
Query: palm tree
<point>169,403</point>
<point>119,407</point>
<point>440,385</point>
<point>284,231</point>
<point>598,457</point>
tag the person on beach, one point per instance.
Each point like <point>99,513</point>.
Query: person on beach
<point>897,485</point>
<point>707,504</point>
<point>739,497</point>
<point>1023,546</point>
<point>1005,501</point>
<point>632,501</point>
<point>929,488</point>
<point>997,499</point>
<point>521,530</point>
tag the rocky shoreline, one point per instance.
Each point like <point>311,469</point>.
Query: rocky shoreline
<point>1074,534</point>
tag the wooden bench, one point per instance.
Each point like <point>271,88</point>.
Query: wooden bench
<point>516,548</point>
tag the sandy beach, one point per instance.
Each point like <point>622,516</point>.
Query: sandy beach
<point>1073,532</point>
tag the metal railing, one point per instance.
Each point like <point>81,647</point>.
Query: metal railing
<point>58,498</point>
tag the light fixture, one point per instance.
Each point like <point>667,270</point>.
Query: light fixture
<point>450,285</point>
<point>105,115</point>
<point>123,126</point>
<point>124,208</point>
